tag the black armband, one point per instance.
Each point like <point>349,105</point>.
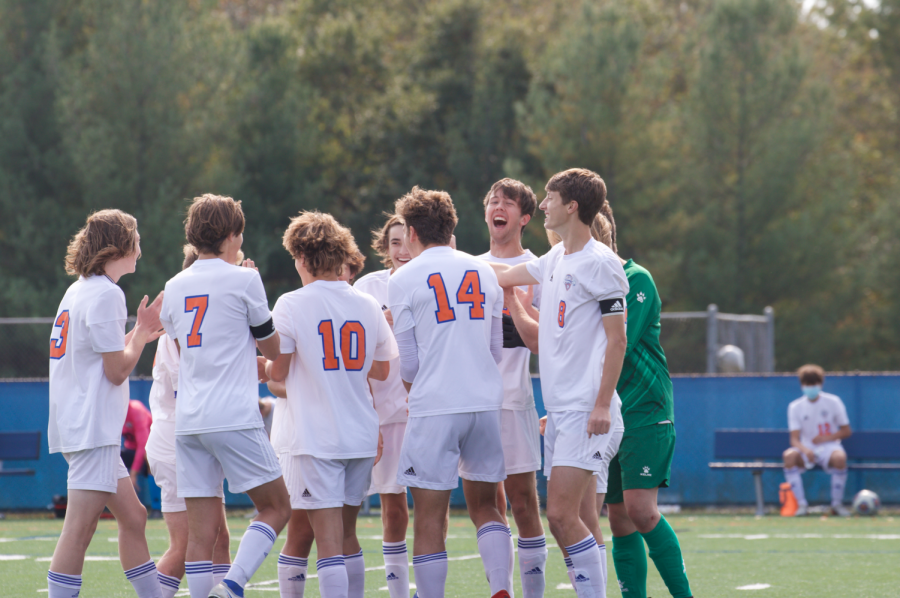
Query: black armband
<point>264,330</point>
<point>511,337</point>
<point>612,307</point>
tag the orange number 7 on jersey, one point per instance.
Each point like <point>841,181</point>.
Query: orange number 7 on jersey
<point>198,305</point>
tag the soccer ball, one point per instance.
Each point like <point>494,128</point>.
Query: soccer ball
<point>730,359</point>
<point>866,502</point>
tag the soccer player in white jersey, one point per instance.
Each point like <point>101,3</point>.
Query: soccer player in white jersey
<point>390,403</point>
<point>91,358</point>
<point>582,346</point>
<point>218,315</point>
<point>333,338</point>
<point>161,458</point>
<point>817,422</point>
<point>508,207</point>
<point>447,309</point>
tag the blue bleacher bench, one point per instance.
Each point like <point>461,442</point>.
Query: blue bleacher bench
<point>754,447</point>
<point>19,446</point>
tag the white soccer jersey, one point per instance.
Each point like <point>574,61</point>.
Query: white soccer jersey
<point>572,338</point>
<point>518,393</point>
<point>390,395</point>
<point>209,308</point>
<point>334,333</point>
<point>449,298</point>
<point>86,409</point>
<point>161,443</point>
<point>282,427</point>
<point>825,415</point>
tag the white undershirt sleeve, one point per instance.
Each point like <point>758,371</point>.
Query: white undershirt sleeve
<point>409,353</point>
<point>497,338</point>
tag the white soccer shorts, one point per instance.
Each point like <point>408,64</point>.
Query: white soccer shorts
<point>520,433</point>
<point>384,474</point>
<point>567,444</point>
<point>98,468</point>
<point>244,457</point>
<point>164,474</point>
<point>326,483</point>
<point>439,449</point>
<point>823,454</point>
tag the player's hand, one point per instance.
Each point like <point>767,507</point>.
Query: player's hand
<point>261,369</point>
<point>525,297</point>
<point>389,317</point>
<point>821,438</point>
<point>810,454</point>
<point>148,322</point>
<point>249,264</point>
<point>380,448</point>
<point>599,422</point>
<point>543,424</point>
<point>134,480</point>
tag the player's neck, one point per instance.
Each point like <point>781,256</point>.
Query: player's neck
<point>307,279</point>
<point>575,236</point>
<point>510,248</point>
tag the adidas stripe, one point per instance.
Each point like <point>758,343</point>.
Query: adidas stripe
<point>293,561</point>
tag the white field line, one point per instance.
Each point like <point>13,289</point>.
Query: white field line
<point>47,559</point>
<point>755,586</point>
<point>12,557</point>
<point>800,536</point>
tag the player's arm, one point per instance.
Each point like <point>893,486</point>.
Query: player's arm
<point>278,368</point>
<point>279,389</point>
<point>640,313</point>
<point>842,432</point>
<point>270,346</point>
<point>617,341</point>
<point>524,324</point>
<point>118,365</point>
<point>380,370</point>
<point>513,276</point>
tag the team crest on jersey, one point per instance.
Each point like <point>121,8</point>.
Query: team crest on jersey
<point>570,281</point>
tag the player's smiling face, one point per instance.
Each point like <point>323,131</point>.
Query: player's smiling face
<point>504,217</point>
<point>556,213</point>
<point>397,250</point>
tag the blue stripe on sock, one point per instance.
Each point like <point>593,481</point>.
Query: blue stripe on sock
<point>428,558</point>
<point>568,562</point>
<point>353,556</point>
<point>532,543</point>
<point>586,544</point>
<point>294,561</point>
<point>168,580</point>
<point>263,529</point>
<point>140,571</point>
<point>493,528</point>
<point>73,581</point>
<point>198,567</point>
<point>394,549</point>
<point>334,561</point>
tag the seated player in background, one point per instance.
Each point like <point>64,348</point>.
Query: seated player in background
<point>161,458</point>
<point>508,207</point>
<point>581,351</point>
<point>218,315</point>
<point>333,338</point>
<point>91,358</point>
<point>390,404</point>
<point>817,422</point>
<point>134,440</point>
<point>447,310</point>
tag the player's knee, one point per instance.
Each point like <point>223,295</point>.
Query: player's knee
<point>790,456</point>
<point>838,460</point>
<point>394,516</point>
<point>134,519</point>
<point>644,517</point>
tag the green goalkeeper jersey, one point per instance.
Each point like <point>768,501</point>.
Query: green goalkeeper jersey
<point>644,386</point>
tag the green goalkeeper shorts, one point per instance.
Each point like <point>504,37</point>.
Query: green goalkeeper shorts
<point>644,460</point>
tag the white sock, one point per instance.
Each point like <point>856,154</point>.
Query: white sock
<point>586,562</point>
<point>252,551</point>
<point>570,571</point>
<point>494,547</point>
<point>168,584</point>
<point>145,580</point>
<point>220,570</point>
<point>356,574</point>
<point>792,476</point>
<point>292,575</point>
<point>396,568</point>
<point>533,565</point>
<point>431,574</point>
<point>199,578</point>
<point>602,548</point>
<point>512,562</point>
<point>332,577</point>
<point>838,482</point>
<point>60,585</point>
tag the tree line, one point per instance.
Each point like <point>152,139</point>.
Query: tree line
<point>750,147</point>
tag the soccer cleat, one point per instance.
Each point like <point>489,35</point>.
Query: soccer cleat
<point>802,510</point>
<point>222,591</point>
<point>501,594</point>
<point>840,511</point>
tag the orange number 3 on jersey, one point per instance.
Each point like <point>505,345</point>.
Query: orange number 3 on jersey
<point>58,347</point>
<point>470,292</point>
<point>198,305</point>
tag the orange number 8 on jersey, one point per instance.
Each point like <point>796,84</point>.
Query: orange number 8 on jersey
<point>561,318</point>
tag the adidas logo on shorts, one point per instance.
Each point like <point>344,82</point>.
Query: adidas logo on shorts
<point>306,493</point>
<point>300,577</point>
<point>535,571</point>
<point>582,578</point>
<point>392,577</point>
<point>597,455</point>
<point>410,471</point>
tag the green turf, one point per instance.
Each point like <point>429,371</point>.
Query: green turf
<point>810,557</point>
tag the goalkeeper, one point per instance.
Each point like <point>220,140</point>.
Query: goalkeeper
<point>644,462</point>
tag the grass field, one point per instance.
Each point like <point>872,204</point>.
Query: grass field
<point>809,557</point>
